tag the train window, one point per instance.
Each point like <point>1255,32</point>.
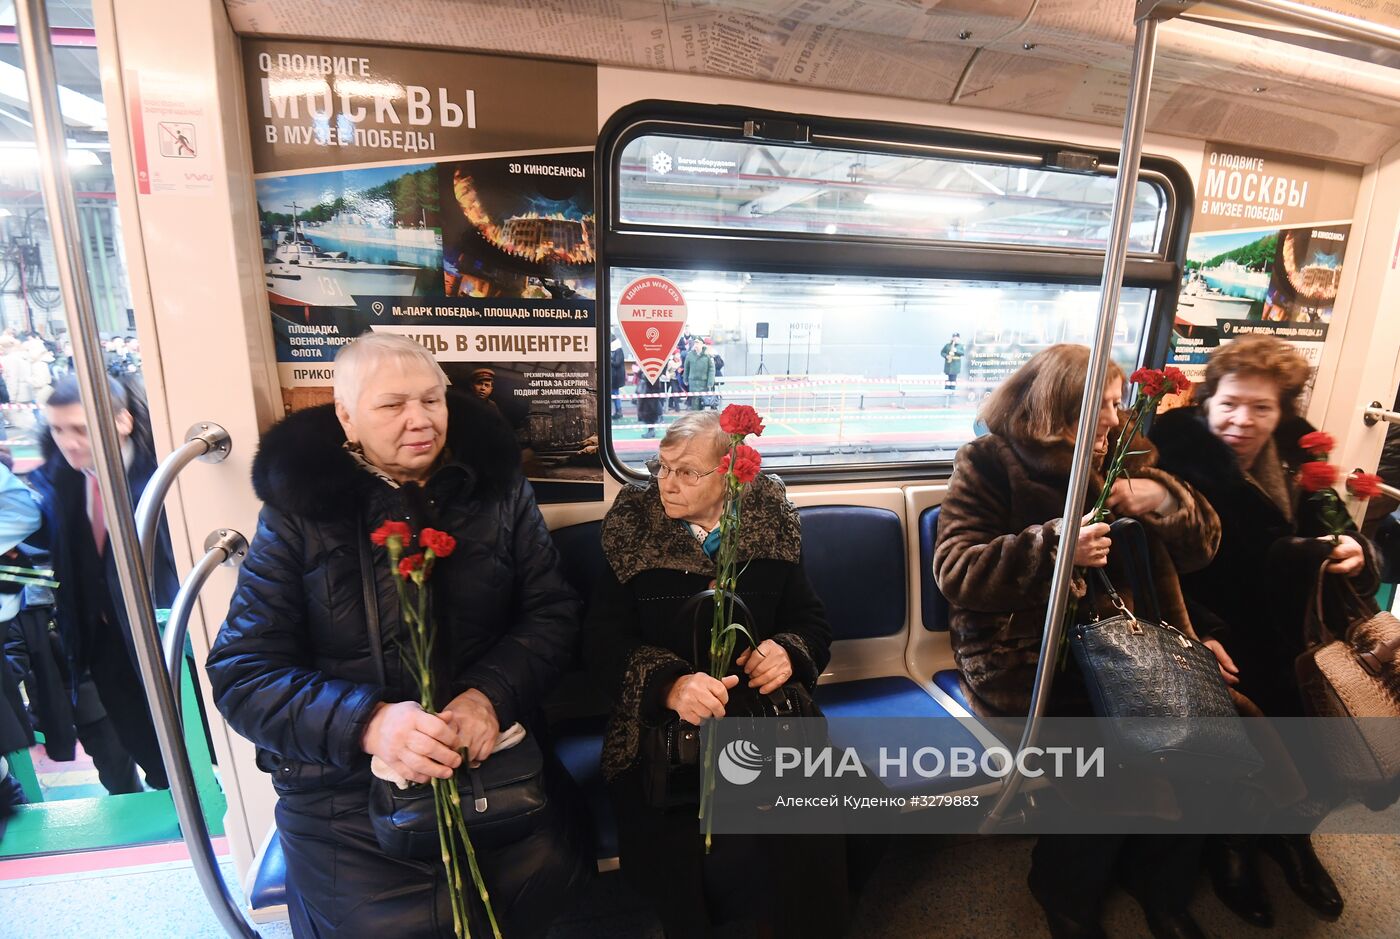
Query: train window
<point>739,185</point>
<point>864,286</point>
<point>847,370</point>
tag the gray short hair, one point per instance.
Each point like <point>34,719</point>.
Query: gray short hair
<point>697,425</point>
<point>361,356</point>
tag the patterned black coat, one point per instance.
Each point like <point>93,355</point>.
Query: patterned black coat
<point>998,535</point>
<point>636,638</point>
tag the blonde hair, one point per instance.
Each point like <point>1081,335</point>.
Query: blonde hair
<point>1262,356</point>
<point>360,357</point>
<point>1040,401</point>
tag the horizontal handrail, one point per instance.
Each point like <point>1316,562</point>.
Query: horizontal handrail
<point>1378,412</point>
<point>223,546</point>
<point>205,441</point>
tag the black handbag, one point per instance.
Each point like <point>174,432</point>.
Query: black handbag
<point>669,753</point>
<point>503,797</point>
<point>1166,704</point>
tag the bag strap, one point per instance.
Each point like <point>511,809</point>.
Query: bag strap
<point>691,607</point>
<point>371,601</point>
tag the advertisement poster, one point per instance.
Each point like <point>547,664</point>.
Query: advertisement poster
<point>447,197</point>
<point>1266,254</point>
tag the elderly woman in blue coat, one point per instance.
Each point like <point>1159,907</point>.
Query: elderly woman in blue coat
<point>294,671</point>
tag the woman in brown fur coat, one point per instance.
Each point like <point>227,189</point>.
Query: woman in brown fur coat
<point>998,536</point>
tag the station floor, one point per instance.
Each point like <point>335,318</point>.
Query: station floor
<point>925,887</point>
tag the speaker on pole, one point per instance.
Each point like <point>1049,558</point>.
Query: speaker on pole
<point>760,331</point>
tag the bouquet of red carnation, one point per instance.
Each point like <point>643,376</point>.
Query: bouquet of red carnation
<point>739,467</point>
<point>1319,478</point>
<point>411,578</point>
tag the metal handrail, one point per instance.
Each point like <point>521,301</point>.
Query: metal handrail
<point>224,546</point>
<point>205,441</point>
<point>1115,258</point>
<point>1147,16</point>
<point>1377,412</point>
<point>35,42</point>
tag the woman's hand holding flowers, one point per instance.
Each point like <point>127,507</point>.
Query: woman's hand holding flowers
<point>1134,498</point>
<point>474,718</point>
<point>1092,548</point>
<point>769,670</point>
<point>1347,558</point>
<point>698,697</point>
<point>413,743</point>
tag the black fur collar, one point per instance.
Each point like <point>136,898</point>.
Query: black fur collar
<point>639,536</point>
<point>1188,449</point>
<point>302,467</point>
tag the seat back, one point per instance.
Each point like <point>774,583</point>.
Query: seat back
<point>933,606</point>
<point>854,555</point>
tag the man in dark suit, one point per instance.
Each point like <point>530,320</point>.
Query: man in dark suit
<point>91,615</point>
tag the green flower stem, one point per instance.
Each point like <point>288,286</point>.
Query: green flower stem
<point>453,839</point>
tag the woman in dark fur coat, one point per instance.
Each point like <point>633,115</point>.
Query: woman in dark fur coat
<point>639,641</point>
<point>1240,448</point>
<point>998,535</point>
<point>294,670</point>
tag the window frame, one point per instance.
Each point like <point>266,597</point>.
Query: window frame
<point>626,244</point>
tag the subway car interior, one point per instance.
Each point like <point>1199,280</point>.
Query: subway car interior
<point>858,218</point>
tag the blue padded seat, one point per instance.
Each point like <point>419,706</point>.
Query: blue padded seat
<point>933,606</point>
<point>950,682</point>
<point>270,878</point>
<point>889,700</point>
<point>854,556</point>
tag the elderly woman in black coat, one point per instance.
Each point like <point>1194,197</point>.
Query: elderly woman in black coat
<point>293,668</point>
<point>1240,448</point>
<point>660,542</point>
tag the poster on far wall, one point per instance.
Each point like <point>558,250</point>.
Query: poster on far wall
<point>482,249</point>
<point>1266,254</point>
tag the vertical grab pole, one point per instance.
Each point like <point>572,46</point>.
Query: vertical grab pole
<point>32,23</point>
<point>1115,256</point>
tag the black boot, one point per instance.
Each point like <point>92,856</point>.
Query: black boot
<point>1064,926</point>
<point>1304,872</point>
<point>1173,925</point>
<point>1234,872</point>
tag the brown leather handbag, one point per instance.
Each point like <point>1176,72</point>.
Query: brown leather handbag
<point>1355,679</point>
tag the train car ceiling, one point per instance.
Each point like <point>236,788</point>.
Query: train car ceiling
<point>1055,58</point>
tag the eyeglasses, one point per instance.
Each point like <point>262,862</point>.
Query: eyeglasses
<point>688,477</point>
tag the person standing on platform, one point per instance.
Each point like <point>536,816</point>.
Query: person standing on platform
<point>19,518</point>
<point>617,376</point>
<point>953,352</point>
<point>699,375</point>
<point>91,615</point>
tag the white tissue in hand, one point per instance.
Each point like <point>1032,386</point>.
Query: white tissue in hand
<point>381,769</point>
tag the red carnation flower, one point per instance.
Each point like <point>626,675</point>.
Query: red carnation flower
<point>1176,378</point>
<point>1151,380</point>
<point>1364,485</point>
<point>408,565</point>
<point>1318,443</point>
<point>1317,476</point>
<point>740,419</point>
<point>746,463</point>
<point>399,530</point>
<point>439,542</point>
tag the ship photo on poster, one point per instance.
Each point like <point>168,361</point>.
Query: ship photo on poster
<point>331,238</point>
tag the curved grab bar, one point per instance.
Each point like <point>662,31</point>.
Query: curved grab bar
<point>205,441</point>
<point>36,50</point>
<point>224,546</point>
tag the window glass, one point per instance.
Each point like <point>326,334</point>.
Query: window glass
<point>854,370</point>
<point>740,185</point>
